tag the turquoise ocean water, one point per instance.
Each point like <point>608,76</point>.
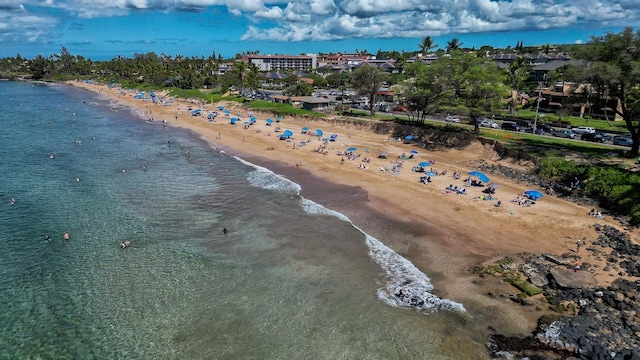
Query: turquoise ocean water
<point>291,280</point>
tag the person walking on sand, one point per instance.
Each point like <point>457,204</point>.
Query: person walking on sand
<point>577,266</point>
<point>578,244</point>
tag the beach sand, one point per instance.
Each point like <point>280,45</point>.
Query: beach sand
<point>449,234</point>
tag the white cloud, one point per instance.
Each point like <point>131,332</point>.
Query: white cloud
<point>319,20</point>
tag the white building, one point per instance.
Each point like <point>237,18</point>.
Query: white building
<point>284,62</point>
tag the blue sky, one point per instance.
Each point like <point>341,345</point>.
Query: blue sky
<point>103,29</point>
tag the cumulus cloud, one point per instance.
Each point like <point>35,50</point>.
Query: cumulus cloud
<point>320,20</point>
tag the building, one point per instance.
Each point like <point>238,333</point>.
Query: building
<point>283,62</point>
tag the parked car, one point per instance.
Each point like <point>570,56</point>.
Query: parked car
<point>584,130</point>
<point>564,134</point>
<point>488,123</point>
<point>594,137</point>
<point>545,128</point>
<point>524,123</point>
<point>530,131</point>
<point>510,126</point>
<point>622,141</point>
<point>400,108</point>
<point>452,119</point>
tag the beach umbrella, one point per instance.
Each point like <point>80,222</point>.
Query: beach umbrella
<point>319,132</point>
<point>334,136</point>
<point>287,133</point>
<point>269,121</point>
<point>493,185</point>
<point>415,152</point>
<point>220,107</point>
<point>479,175</point>
<point>430,173</point>
<point>533,194</point>
<point>305,129</point>
<point>211,115</point>
<point>278,118</point>
<point>233,120</point>
<point>409,137</point>
<point>352,149</point>
<point>424,164</point>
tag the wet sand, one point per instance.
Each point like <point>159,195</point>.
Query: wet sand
<point>443,234</point>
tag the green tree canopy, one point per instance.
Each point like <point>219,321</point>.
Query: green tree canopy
<point>613,61</point>
<point>366,80</point>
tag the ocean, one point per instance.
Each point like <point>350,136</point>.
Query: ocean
<point>291,279</point>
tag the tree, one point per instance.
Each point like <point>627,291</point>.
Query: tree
<point>453,45</point>
<point>39,67</point>
<point>423,89</point>
<point>335,80</point>
<point>239,69</point>
<point>427,44</point>
<point>614,62</point>
<point>299,89</point>
<point>463,81</point>
<point>367,80</point>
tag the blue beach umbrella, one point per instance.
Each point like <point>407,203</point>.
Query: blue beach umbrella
<point>287,133</point>
<point>334,136</point>
<point>278,118</point>
<point>430,173</point>
<point>424,164</point>
<point>352,149</point>
<point>415,152</point>
<point>269,121</point>
<point>479,175</point>
<point>233,120</point>
<point>533,194</point>
<point>220,107</point>
<point>319,132</point>
<point>305,129</point>
<point>409,137</point>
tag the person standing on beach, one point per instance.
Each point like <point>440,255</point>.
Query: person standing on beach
<point>578,244</point>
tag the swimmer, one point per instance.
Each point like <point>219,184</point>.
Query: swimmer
<point>125,244</point>
<point>124,171</point>
<point>224,231</point>
<point>47,238</point>
<point>51,156</point>
<point>77,179</point>
<point>13,201</point>
<point>66,236</point>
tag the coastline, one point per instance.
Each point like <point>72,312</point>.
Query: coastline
<point>450,233</point>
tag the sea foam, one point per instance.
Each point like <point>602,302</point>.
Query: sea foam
<point>405,286</point>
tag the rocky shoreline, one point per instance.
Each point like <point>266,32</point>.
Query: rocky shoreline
<point>588,321</point>
<point>592,322</point>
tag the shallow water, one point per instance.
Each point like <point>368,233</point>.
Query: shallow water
<point>291,279</point>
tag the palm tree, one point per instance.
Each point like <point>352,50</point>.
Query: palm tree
<point>427,44</point>
<point>453,45</point>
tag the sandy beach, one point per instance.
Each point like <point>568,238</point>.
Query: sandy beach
<point>451,233</point>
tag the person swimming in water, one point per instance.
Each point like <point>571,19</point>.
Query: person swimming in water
<point>47,238</point>
<point>66,236</point>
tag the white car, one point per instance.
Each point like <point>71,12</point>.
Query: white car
<point>489,124</point>
<point>584,130</point>
<point>452,119</point>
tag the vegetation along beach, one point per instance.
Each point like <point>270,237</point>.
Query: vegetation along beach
<point>527,239</point>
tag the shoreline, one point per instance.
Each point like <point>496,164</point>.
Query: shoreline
<point>450,234</point>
